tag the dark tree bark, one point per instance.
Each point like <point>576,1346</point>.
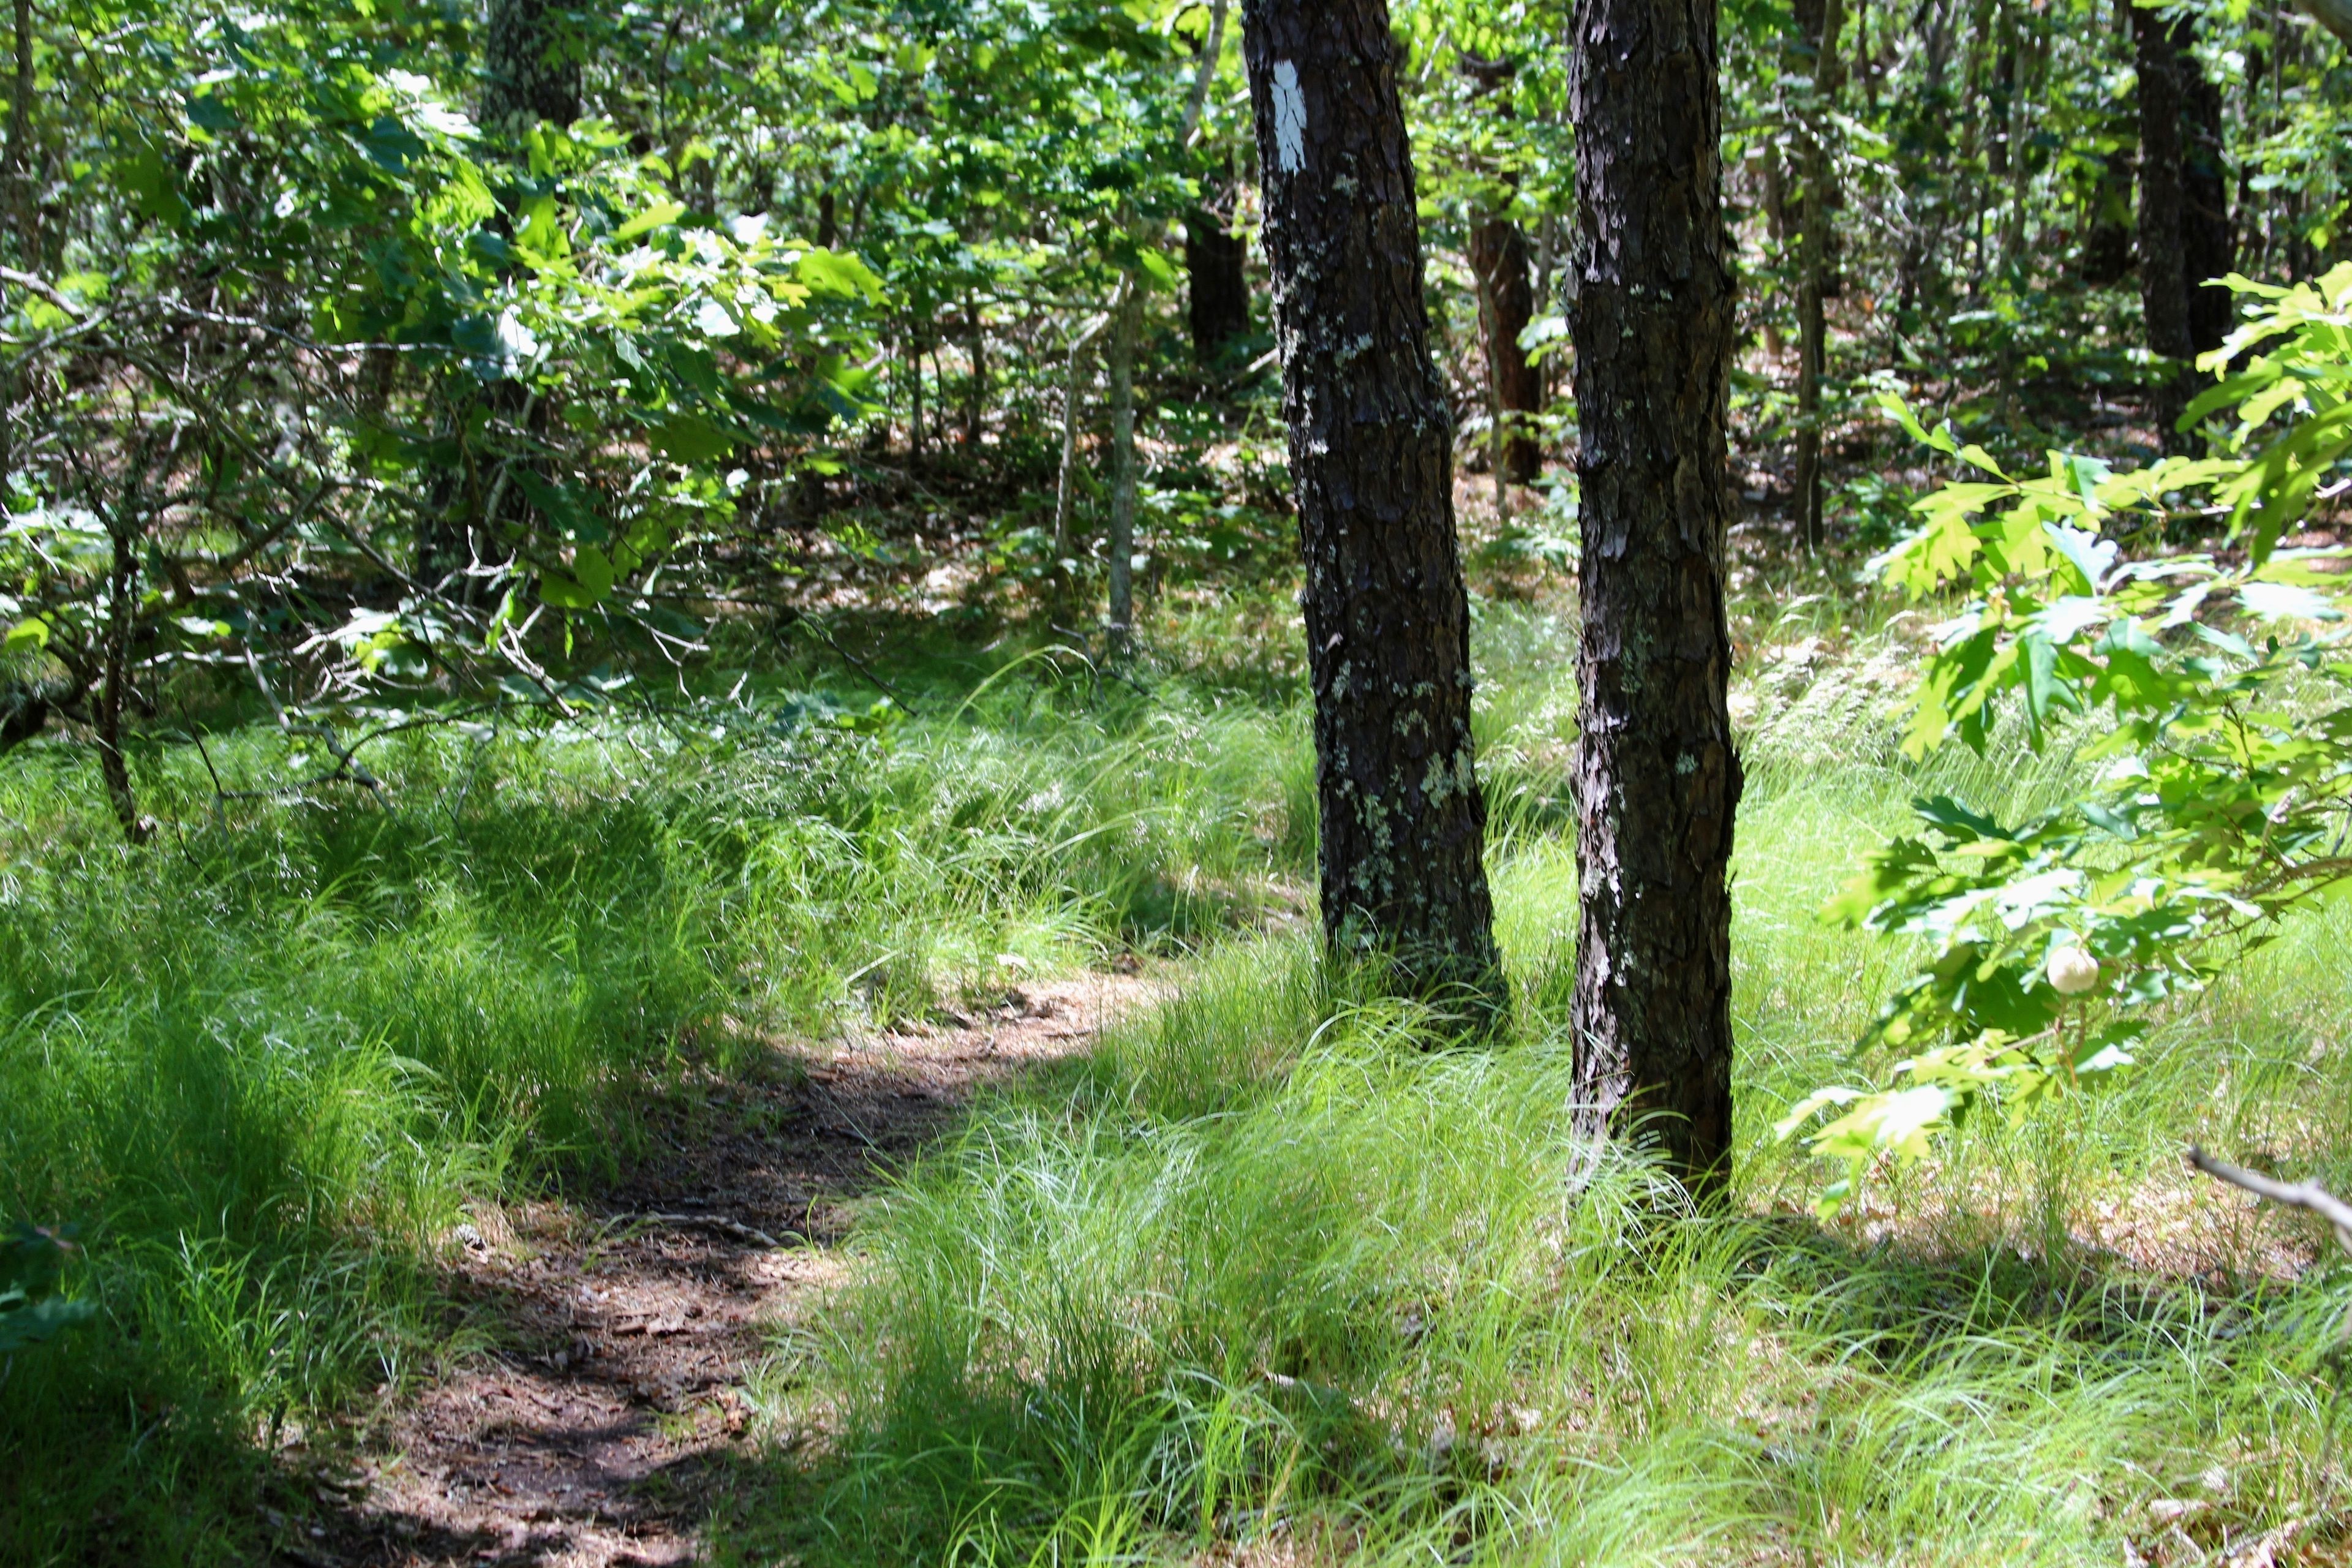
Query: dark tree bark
<point>2209,240</point>
<point>1498,254</point>
<point>1657,778</point>
<point>2184,226</point>
<point>1216,264</point>
<point>1404,824</point>
<point>527,75</point>
<point>1821,21</point>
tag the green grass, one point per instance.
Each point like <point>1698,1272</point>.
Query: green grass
<point>1267,1265</point>
<point>263,1064</point>
<point>1271,1267</point>
<point>1264,1264</point>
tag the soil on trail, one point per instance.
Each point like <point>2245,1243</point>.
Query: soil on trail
<point>627,1327</point>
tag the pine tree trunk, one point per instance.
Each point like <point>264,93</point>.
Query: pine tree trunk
<point>1073,399</point>
<point>1404,824</point>
<point>1823,20</point>
<point>2164,280</point>
<point>2209,240</point>
<point>1657,778</point>
<point>1498,256</point>
<point>1126,320</point>
<point>975,397</point>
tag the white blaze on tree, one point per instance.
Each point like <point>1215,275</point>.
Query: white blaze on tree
<point>1289,118</point>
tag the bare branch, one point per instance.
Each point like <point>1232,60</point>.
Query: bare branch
<point>2309,1196</point>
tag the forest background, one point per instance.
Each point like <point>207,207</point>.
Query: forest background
<point>561,563</point>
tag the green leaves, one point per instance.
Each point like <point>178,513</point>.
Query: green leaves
<point>32,1265</point>
<point>2226,758</point>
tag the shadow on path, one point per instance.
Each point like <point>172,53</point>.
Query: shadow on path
<point>598,1430</point>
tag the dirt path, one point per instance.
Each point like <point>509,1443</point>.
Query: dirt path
<point>626,1328</point>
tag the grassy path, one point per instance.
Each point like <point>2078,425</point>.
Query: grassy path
<point>594,1429</point>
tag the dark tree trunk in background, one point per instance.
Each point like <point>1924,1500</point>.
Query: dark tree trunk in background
<point>1821,21</point>
<point>2184,224</point>
<point>975,392</point>
<point>2208,242</point>
<point>1215,262</point>
<point>1657,779</point>
<point>2163,286</point>
<point>528,74</point>
<point>1403,824</point>
<point>1498,254</point>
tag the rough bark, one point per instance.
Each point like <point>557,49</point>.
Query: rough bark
<point>1403,823</point>
<point>1498,256</point>
<point>1657,778</point>
<point>528,74</point>
<point>1822,20</point>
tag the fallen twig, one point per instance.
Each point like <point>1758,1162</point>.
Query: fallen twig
<point>720,1223</point>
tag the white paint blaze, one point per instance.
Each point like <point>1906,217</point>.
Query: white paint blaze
<point>1289,118</point>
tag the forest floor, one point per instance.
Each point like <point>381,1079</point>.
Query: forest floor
<point>594,1430</point>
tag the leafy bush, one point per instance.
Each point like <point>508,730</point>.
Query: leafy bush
<point>32,1309</point>
<point>2223,770</point>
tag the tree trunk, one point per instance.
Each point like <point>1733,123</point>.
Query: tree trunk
<point>1498,256</point>
<point>1214,256</point>
<point>528,73</point>
<point>915,350</point>
<point>114,688</point>
<point>1215,262</point>
<point>2164,280</point>
<point>1657,779</point>
<point>1126,320</point>
<point>1072,398</point>
<point>1404,824</point>
<point>2209,241</point>
<point>1919,166</point>
<point>20,139</point>
<point>975,397</point>
<point>1824,20</point>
